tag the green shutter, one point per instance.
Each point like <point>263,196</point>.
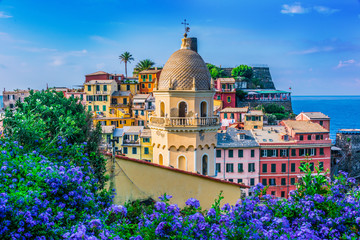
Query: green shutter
<point>104,108</point>
<point>89,108</point>
<point>89,88</point>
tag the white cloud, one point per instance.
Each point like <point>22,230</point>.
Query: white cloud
<point>350,62</point>
<point>296,8</point>
<point>325,10</point>
<point>4,15</point>
<point>313,50</point>
<point>61,58</point>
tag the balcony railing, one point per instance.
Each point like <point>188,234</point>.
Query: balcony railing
<point>119,105</point>
<point>184,121</point>
<point>131,142</point>
<point>102,92</point>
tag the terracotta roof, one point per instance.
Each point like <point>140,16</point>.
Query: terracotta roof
<point>315,115</point>
<point>304,126</point>
<point>255,113</point>
<point>230,109</point>
<point>178,170</point>
<point>99,82</point>
<point>97,73</point>
<point>182,66</point>
<point>108,129</point>
<point>141,96</point>
<point>226,80</point>
<point>150,71</point>
<point>133,129</point>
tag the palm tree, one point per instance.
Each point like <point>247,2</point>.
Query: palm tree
<point>144,65</point>
<point>126,57</point>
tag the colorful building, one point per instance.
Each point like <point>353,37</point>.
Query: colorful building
<point>315,117</point>
<point>266,95</point>
<point>183,128</point>
<point>147,78</point>
<point>254,119</point>
<point>10,97</point>
<point>120,102</point>
<point>76,93</point>
<point>237,157</point>
<point>284,148</point>
<point>230,115</point>
<point>130,84</point>
<point>146,148</point>
<point>142,107</point>
<point>226,92</point>
<point>101,75</point>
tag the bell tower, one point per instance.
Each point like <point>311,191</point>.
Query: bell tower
<point>183,128</point>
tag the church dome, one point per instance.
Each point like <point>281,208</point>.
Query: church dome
<point>180,70</point>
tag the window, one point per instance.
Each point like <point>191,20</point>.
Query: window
<point>231,180</point>
<point>252,181</point>
<point>225,115</point>
<point>240,180</point>
<point>293,167</point>
<point>218,167</point>
<point>283,181</point>
<point>321,166</point>
<point>264,168</point>
<point>283,167</point>
<point>251,167</point>
<point>264,181</point>
<point>263,153</point>
<point>273,167</point>
<point>104,108</point>
<point>89,88</point>
<point>150,77</point>
<point>240,153</point>
<point>229,99</point>
<point>309,137</point>
<point>321,151</point>
<point>125,150</point>
<point>125,101</point>
<point>81,97</point>
<point>146,140</point>
<point>149,85</point>
<point>97,87</point>
<point>282,194</point>
<point>127,87</point>
<point>252,153</point>
<point>312,152</point>
<point>229,167</point>
<point>134,150</point>
<point>272,181</point>
<point>96,108</point>
<point>312,166</point>
<point>283,153</point>
<point>231,115</point>
<point>105,88</point>
<point>218,97</point>
<point>72,95</point>
<point>218,153</point>
<point>273,193</point>
<point>321,123</point>
<point>146,150</point>
<point>301,152</point>
<point>105,98</point>
<point>240,167</point>
<point>293,152</point>
<point>231,153</point>
<point>142,112</point>
<point>99,98</point>
<point>142,85</point>
<point>301,137</point>
<point>292,181</point>
<point>317,137</point>
<point>89,108</point>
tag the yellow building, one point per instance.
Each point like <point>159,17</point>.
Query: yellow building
<point>183,127</point>
<point>130,84</point>
<point>98,96</point>
<point>254,120</point>
<point>145,144</point>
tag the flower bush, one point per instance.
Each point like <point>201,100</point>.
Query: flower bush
<point>57,197</point>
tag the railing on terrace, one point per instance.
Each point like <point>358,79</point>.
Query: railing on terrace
<point>268,100</point>
<point>128,141</point>
<point>119,105</point>
<point>184,121</point>
<point>102,92</point>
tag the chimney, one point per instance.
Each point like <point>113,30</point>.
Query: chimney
<point>193,44</point>
<point>155,68</point>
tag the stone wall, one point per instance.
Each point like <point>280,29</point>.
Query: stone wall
<point>287,104</point>
<point>350,145</point>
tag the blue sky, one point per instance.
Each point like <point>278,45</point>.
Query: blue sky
<point>312,46</point>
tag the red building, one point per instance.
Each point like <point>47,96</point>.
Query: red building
<point>230,115</point>
<point>284,148</point>
<point>101,75</point>
<point>225,91</point>
<point>315,117</point>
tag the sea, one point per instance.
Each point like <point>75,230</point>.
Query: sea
<point>344,111</point>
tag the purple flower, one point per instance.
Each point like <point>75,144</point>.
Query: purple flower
<point>165,197</point>
<point>193,203</point>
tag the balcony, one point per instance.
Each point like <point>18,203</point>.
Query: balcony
<point>102,92</point>
<point>119,105</point>
<point>184,121</point>
<point>131,142</point>
<point>228,90</point>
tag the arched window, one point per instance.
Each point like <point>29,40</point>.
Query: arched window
<point>161,159</point>
<point>182,109</point>
<point>203,109</point>
<point>162,109</point>
<point>182,163</point>
<point>204,165</point>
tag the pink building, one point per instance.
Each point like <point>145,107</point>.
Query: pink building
<point>81,95</point>
<point>315,117</point>
<point>284,148</point>
<point>237,157</point>
<point>225,91</point>
<point>230,115</point>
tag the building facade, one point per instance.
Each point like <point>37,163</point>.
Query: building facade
<point>226,92</point>
<point>147,78</point>
<point>11,97</point>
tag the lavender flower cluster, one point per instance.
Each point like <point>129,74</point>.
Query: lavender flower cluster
<point>44,198</point>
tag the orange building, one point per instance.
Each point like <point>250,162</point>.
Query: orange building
<point>147,79</point>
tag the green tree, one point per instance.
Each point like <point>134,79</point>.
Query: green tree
<point>45,116</point>
<point>143,65</point>
<point>126,57</point>
<point>242,71</point>
<point>215,71</point>
<point>241,94</point>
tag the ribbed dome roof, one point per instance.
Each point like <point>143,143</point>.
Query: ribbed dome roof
<point>182,66</point>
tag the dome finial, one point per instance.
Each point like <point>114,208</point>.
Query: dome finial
<point>187,29</point>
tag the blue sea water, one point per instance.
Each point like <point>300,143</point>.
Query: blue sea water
<point>1,102</point>
<point>344,111</point>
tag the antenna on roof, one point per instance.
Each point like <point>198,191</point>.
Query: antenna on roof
<point>187,29</point>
